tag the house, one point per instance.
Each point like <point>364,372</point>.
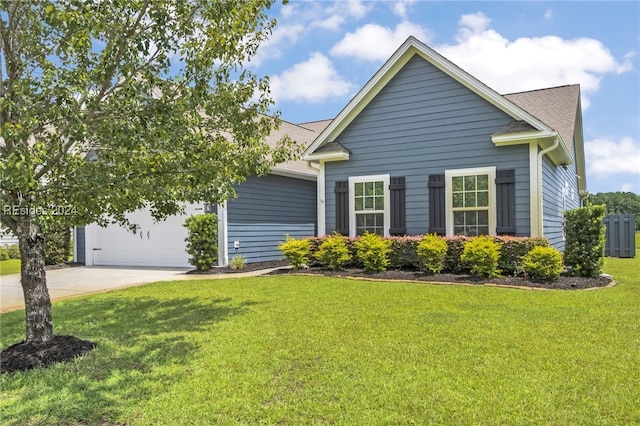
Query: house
<point>424,147</point>
<point>253,224</point>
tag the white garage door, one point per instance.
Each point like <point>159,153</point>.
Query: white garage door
<point>155,244</point>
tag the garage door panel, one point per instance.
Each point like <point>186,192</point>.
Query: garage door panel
<point>154,244</point>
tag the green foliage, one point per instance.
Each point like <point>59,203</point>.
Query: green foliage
<point>333,252</point>
<point>373,251</point>
<point>202,240</point>
<point>296,251</point>
<point>238,262</point>
<point>432,252</point>
<point>403,253</point>
<point>482,254</point>
<point>455,248</point>
<point>543,263</point>
<point>57,244</point>
<point>618,203</point>
<point>513,249</point>
<point>9,251</point>
<point>584,246</point>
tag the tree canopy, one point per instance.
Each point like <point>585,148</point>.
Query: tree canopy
<point>110,106</point>
<point>619,203</point>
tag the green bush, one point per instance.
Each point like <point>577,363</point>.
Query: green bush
<point>455,247</point>
<point>57,244</point>
<point>403,253</point>
<point>482,254</point>
<point>238,262</point>
<point>4,255</point>
<point>514,249</point>
<point>296,251</point>
<point>543,263</point>
<point>333,252</point>
<point>202,240</point>
<point>584,246</point>
<point>432,252</point>
<point>373,251</point>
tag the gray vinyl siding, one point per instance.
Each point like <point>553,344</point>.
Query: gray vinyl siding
<point>558,182</point>
<point>424,122</point>
<point>265,211</point>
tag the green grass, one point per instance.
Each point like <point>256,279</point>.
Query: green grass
<point>10,266</point>
<point>315,350</point>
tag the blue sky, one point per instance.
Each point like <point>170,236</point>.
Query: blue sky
<point>322,52</point>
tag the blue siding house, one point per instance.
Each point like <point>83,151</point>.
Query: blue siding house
<point>425,147</point>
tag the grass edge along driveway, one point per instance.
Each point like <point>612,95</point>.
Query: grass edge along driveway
<point>302,350</point>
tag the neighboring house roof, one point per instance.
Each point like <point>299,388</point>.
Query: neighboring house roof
<point>531,119</point>
<point>303,136</point>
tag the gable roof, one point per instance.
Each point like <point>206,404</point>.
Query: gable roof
<point>537,127</point>
<point>556,106</point>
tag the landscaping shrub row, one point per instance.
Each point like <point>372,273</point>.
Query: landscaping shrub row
<point>488,256</point>
<point>9,251</point>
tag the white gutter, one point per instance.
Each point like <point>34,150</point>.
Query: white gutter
<point>539,183</point>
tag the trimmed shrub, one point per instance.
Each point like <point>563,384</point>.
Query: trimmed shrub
<point>403,253</point>
<point>333,252</point>
<point>432,252</point>
<point>4,255</point>
<point>584,246</point>
<point>57,244</point>
<point>373,251</point>
<point>13,251</point>
<point>482,254</point>
<point>514,249</point>
<point>296,251</point>
<point>453,262</point>
<point>202,240</point>
<point>543,263</point>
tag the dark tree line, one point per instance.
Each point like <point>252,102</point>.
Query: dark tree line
<point>619,203</point>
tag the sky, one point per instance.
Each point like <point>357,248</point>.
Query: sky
<point>322,52</point>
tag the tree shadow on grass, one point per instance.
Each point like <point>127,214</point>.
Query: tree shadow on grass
<point>143,345</point>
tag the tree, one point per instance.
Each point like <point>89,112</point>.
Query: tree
<point>619,203</point>
<point>112,106</point>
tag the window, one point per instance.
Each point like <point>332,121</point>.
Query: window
<point>470,209</point>
<point>369,205</point>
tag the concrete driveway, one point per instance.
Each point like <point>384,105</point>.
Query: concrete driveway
<point>76,281</point>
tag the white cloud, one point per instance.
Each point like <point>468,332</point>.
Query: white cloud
<point>548,15</point>
<point>332,23</point>
<point>357,8</point>
<point>314,80</point>
<point>607,156</point>
<point>626,187</point>
<point>373,42</point>
<point>280,38</point>
<point>530,63</point>
<point>401,7</point>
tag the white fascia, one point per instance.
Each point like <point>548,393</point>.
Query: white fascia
<point>296,174</point>
<point>329,156</point>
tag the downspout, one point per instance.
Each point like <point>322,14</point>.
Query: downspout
<point>539,183</point>
<point>320,225</point>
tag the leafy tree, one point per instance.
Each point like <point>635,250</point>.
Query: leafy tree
<point>619,203</point>
<point>154,93</point>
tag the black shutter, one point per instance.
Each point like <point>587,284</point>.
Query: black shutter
<point>396,190</point>
<point>506,202</point>
<point>437,213</point>
<point>342,207</point>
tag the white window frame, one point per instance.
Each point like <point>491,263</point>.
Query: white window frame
<point>386,179</point>
<point>450,174</point>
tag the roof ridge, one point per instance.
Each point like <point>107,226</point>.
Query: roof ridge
<point>541,89</point>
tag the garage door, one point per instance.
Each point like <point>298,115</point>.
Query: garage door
<point>158,244</point>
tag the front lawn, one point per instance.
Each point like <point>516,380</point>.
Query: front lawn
<point>303,350</point>
<point>9,266</point>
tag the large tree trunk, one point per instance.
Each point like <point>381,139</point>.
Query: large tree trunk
<point>34,283</point>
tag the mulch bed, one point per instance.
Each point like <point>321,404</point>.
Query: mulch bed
<point>27,355</point>
<point>563,282</point>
